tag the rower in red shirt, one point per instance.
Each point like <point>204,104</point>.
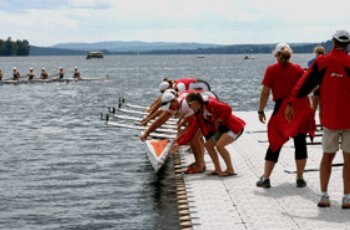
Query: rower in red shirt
<point>219,126</point>
<point>173,105</point>
<point>179,85</point>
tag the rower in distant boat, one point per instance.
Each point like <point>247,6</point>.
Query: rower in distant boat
<point>60,73</point>
<point>76,74</point>
<point>1,74</point>
<point>31,74</point>
<point>16,74</point>
<point>43,74</point>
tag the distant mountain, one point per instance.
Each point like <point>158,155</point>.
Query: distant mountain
<point>134,46</point>
<point>44,51</point>
<point>158,48</point>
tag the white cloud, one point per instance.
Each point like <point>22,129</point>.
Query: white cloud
<point>220,21</point>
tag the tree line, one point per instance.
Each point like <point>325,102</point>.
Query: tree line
<point>14,48</point>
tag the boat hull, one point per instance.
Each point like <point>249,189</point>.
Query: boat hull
<point>158,152</point>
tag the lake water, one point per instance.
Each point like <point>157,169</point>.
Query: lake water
<point>62,168</point>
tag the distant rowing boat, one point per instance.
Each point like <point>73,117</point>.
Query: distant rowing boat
<point>38,81</point>
<point>249,57</point>
<point>94,54</point>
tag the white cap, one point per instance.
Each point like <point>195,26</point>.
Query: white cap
<point>185,108</point>
<point>75,67</point>
<point>342,36</point>
<point>180,87</point>
<point>60,67</point>
<point>163,86</point>
<point>43,68</point>
<point>280,46</point>
<point>167,97</point>
<point>14,68</point>
<point>30,68</point>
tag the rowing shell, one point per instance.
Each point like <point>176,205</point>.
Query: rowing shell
<point>158,151</point>
<point>34,81</point>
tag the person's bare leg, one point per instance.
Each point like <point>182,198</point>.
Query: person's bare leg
<point>346,172</point>
<point>198,150</point>
<point>300,164</point>
<point>326,170</point>
<point>269,166</point>
<point>209,145</point>
<point>220,146</point>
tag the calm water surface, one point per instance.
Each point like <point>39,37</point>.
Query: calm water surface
<point>61,168</point>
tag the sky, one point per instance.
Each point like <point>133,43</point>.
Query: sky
<point>48,22</point>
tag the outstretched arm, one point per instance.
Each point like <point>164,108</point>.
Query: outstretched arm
<point>264,97</point>
<point>156,124</point>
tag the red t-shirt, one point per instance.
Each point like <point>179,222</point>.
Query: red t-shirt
<point>282,79</point>
<point>332,73</point>
<point>213,110</point>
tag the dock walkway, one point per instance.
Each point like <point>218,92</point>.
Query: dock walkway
<point>235,202</point>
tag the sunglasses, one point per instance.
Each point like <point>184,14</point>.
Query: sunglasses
<point>165,103</point>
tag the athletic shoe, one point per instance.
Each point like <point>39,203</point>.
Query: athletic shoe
<point>324,202</point>
<point>263,183</point>
<point>301,183</point>
<point>345,203</point>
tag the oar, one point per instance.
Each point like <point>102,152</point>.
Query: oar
<point>136,127</point>
<point>7,79</point>
<point>122,101</point>
<point>307,143</point>
<point>113,110</point>
<point>54,75</point>
<point>137,120</point>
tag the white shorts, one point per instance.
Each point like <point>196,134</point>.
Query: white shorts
<point>217,135</point>
<point>332,138</point>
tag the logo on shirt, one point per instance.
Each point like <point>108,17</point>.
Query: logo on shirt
<point>337,75</point>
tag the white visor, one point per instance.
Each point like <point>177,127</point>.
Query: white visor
<point>185,109</point>
<point>163,86</point>
<point>167,97</point>
<point>180,87</point>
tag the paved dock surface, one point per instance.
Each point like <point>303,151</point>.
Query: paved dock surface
<point>235,202</point>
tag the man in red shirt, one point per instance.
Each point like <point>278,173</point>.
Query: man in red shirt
<point>331,74</point>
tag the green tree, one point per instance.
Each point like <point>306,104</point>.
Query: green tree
<point>9,49</point>
<point>1,46</point>
<point>22,48</point>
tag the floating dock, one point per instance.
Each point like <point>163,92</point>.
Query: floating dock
<point>234,202</point>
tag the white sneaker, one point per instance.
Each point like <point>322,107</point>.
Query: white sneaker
<point>324,202</point>
<point>345,203</point>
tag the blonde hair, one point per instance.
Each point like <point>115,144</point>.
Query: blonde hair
<point>318,50</point>
<point>283,54</point>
